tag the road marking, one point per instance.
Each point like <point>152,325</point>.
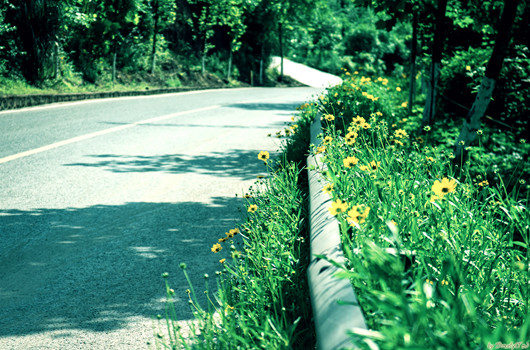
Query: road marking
<point>101,132</point>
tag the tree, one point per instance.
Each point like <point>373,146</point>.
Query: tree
<point>8,52</point>
<point>230,14</point>
<point>163,13</point>
<point>473,118</point>
<point>203,23</point>
<point>37,23</point>
<point>436,59</point>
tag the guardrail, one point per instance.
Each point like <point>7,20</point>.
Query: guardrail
<point>21,101</point>
<point>335,306</point>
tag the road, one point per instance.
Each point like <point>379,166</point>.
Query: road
<point>99,198</point>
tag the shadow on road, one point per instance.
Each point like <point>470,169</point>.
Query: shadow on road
<point>95,268</point>
<point>266,106</point>
<point>242,164</point>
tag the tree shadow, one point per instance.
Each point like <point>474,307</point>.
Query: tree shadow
<point>291,107</point>
<point>239,164</point>
<point>98,267</point>
<point>216,126</point>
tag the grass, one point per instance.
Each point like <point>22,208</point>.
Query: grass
<point>458,273</point>
<point>262,299</point>
<point>460,277</point>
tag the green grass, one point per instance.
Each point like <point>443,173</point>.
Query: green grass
<point>467,246</point>
<point>262,299</point>
<point>458,275</point>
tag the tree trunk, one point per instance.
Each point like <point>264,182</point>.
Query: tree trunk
<point>280,34</point>
<point>261,67</point>
<point>229,64</point>
<point>155,32</point>
<point>203,57</point>
<point>473,119</point>
<point>413,53</point>
<point>114,57</point>
<point>57,63</point>
<point>261,71</point>
<point>437,47</point>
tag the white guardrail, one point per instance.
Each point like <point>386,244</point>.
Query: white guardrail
<point>335,307</point>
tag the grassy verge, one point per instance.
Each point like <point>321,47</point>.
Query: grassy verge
<point>125,81</point>
<point>458,275</point>
<point>262,299</point>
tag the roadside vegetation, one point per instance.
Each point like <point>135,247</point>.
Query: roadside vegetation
<point>437,250</point>
<point>457,274</point>
<point>262,300</point>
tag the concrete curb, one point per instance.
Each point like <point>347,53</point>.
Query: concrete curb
<point>21,101</point>
<point>332,319</point>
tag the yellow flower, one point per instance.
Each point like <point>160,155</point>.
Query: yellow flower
<point>441,188</point>
<point>401,133</point>
<point>366,126</point>
<point>321,149</point>
<point>216,248</point>
<point>328,188</point>
<point>398,89</point>
<point>338,207</point>
<point>430,159</point>
<point>350,138</point>
<point>483,183</point>
<point>231,233</point>
<point>327,140</point>
<point>222,261</point>
<point>350,162</point>
<point>252,208</point>
<point>397,142</point>
<point>229,308</point>
<point>404,104</point>
<point>358,121</point>
<point>263,155</point>
<point>358,214</point>
<point>468,68</point>
<point>374,165</point>
<point>379,113</point>
<point>364,168</point>
<point>329,117</point>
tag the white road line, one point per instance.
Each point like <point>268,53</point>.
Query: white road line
<point>101,132</point>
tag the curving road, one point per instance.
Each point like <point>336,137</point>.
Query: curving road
<point>98,198</point>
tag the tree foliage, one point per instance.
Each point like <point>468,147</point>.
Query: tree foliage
<point>42,40</point>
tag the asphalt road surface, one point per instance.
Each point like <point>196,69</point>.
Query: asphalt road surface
<point>99,198</point>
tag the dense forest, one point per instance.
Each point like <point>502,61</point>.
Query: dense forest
<point>454,52</point>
